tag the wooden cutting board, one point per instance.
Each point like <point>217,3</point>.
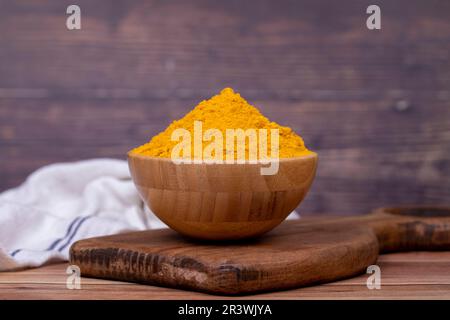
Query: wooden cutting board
<point>295,254</point>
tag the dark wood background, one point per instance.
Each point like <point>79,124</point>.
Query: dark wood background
<point>375,105</point>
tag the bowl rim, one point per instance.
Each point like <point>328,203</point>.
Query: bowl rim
<point>310,155</point>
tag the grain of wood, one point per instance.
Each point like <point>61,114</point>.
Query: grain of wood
<point>404,276</point>
<point>222,201</point>
<point>296,254</point>
<point>374,105</point>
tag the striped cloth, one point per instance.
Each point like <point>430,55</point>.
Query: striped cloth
<point>62,203</point>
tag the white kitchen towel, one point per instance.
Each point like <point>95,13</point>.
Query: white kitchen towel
<point>61,203</point>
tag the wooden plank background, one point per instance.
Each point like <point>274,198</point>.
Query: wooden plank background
<point>375,105</point>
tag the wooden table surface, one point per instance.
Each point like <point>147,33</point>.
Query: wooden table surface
<point>412,275</point>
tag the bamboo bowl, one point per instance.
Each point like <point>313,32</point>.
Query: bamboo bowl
<point>221,201</point>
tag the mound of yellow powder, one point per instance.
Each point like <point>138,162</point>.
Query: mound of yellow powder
<point>227,110</point>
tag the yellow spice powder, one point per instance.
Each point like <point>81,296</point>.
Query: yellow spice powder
<point>227,110</point>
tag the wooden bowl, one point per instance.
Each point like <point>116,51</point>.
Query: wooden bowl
<point>221,201</point>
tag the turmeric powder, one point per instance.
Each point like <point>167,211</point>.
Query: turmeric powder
<point>227,110</point>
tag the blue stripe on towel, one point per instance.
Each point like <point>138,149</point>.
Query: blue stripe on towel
<point>69,230</point>
<point>73,233</point>
<point>15,252</point>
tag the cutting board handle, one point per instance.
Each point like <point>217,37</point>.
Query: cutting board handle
<point>410,228</point>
